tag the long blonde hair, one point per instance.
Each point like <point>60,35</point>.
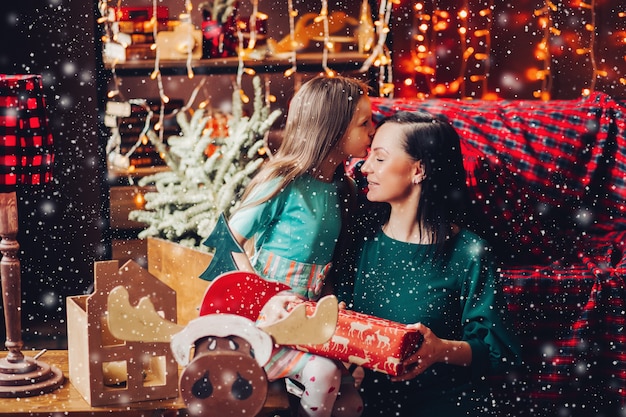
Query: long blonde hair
<point>319,115</point>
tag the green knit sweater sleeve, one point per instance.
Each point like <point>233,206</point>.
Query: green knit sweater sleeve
<point>495,348</point>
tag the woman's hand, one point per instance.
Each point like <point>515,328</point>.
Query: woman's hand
<point>434,350</point>
<point>277,308</point>
<point>424,357</point>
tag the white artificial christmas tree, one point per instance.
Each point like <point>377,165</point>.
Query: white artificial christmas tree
<point>190,196</point>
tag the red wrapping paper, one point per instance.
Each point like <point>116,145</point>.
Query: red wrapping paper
<point>368,341</point>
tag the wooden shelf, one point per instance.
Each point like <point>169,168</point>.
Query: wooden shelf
<point>305,62</point>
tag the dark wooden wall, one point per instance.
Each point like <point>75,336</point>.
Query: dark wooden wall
<point>61,225</point>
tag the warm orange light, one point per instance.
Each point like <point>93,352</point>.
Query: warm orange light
<point>440,26</point>
<point>468,52</point>
<point>439,90</point>
<point>490,96</point>
<point>422,69</point>
<point>387,88</point>
<point>531,74</point>
<point>455,85</point>
<point>139,200</point>
<point>244,97</point>
<point>542,95</point>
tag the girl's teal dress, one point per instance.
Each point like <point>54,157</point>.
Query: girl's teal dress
<point>295,234</point>
<point>457,297</point>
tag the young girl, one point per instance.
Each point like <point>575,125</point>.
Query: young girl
<point>293,210</point>
<point>418,265</point>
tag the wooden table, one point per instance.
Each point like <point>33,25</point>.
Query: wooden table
<point>67,401</point>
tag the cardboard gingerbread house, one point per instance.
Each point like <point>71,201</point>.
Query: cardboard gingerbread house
<point>106,370</point>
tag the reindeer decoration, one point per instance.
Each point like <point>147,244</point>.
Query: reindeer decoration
<point>225,374</point>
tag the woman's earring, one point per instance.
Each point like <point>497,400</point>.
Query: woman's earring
<point>415,181</point>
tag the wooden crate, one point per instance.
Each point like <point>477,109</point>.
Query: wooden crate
<point>180,267</point>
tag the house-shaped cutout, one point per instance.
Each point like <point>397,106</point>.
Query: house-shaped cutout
<point>109,371</point>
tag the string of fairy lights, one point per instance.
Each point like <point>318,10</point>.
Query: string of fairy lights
<point>545,20</point>
<point>380,58</point>
<point>471,20</point>
<point>430,20</point>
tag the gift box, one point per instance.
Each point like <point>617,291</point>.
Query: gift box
<point>141,14</point>
<point>368,341</point>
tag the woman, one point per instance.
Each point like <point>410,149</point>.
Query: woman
<point>418,265</point>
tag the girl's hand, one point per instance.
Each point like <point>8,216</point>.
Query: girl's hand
<point>277,308</point>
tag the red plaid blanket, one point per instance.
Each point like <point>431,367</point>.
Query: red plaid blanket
<point>549,182</point>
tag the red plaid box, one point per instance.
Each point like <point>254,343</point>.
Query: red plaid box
<point>368,341</point>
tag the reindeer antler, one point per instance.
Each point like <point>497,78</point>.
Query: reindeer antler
<point>299,329</point>
<point>144,324</point>
<point>137,324</point>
